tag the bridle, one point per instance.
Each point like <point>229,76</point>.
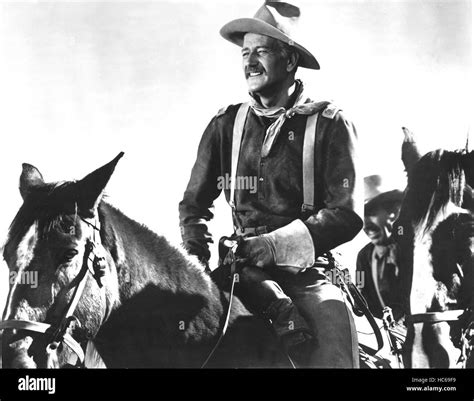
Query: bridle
<point>465,316</point>
<point>61,332</point>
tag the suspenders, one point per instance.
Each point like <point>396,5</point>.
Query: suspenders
<point>308,157</point>
<point>308,163</point>
<point>239,125</point>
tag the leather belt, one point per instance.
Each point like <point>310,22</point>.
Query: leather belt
<point>252,231</point>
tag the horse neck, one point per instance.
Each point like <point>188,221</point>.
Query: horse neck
<point>126,242</point>
<point>149,258</point>
<point>159,287</point>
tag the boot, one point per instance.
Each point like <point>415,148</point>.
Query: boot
<point>292,331</point>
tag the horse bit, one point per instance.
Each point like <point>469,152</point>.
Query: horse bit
<point>61,332</point>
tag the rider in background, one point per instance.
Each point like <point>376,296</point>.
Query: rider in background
<point>378,260</point>
<point>283,237</point>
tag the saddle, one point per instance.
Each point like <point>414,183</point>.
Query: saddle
<point>223,275</point>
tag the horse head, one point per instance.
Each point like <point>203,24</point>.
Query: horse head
<point>63,284</point>
<point>437,244</point>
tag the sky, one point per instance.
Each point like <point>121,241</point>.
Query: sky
<point>83,80</point>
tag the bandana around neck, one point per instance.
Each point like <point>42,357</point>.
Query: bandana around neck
<point>301,105</point>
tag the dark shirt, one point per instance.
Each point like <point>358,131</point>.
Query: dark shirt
<point>278,197</point>
<point>382,288</point>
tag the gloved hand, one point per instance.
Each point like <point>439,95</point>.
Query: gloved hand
<point>257,251</point>
<point>291,245</point>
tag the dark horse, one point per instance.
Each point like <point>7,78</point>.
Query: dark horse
<point>436,238</point>
<point>103,277</point>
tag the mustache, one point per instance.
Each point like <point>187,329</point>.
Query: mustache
<point>249,70</point>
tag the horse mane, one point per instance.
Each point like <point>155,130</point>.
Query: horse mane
<point>177,270</point>
<point>437,180</point>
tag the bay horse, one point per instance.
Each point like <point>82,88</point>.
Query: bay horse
<point>435,233</point>
<point>105,279</point>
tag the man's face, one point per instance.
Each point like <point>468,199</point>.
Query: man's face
<point>379,227</point>
<point>264,67</point>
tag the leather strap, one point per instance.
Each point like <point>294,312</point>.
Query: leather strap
<point>238,131</point>
<point>308,163</point>
<point>435,317</point>
<point>308,156</point>
<point>233,265</point>
<point>252,231</point>
<point>60,333</point>
<point>40,327</point>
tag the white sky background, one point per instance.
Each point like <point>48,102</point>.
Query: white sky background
<point>82,80</point>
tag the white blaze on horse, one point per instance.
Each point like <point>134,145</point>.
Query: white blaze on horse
<point>436,239</point>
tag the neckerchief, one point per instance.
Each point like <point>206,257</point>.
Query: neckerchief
<point>301,105</point>
<point>389,252</point>
<point>386,269</point>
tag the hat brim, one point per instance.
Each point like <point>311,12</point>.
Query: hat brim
<point>394,196</point>
<point>235,30</point>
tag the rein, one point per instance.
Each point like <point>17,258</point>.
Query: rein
<point>356,299</point>
<point>230,258</point>
<point>435,317</point>
<point>61,332</point>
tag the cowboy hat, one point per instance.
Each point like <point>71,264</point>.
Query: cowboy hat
<point>272,19</point>
<point>390,201</point>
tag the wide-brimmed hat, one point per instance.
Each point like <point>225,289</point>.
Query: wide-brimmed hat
<point>390,201</point>
<point>274,19</point>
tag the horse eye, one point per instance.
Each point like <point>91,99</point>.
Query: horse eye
<point>69,254</point>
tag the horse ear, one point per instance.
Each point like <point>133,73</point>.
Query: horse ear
<point>468,166</point>
<point>30,177</point>
<point>90,188</point>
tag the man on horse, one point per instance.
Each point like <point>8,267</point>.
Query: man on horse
<point>378,260</point>
<point>307,199</point>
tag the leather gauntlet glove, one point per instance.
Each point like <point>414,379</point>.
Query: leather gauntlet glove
<point>291,245</point>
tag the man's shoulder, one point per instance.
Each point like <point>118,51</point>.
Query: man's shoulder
<point>330,111</point>
<point>222,121</point>
<point>365,253</point>
<point>228,111</point>
<point>326,108</point>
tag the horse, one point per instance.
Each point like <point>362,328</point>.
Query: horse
<point>108,286</point>
<point>435,235</point>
